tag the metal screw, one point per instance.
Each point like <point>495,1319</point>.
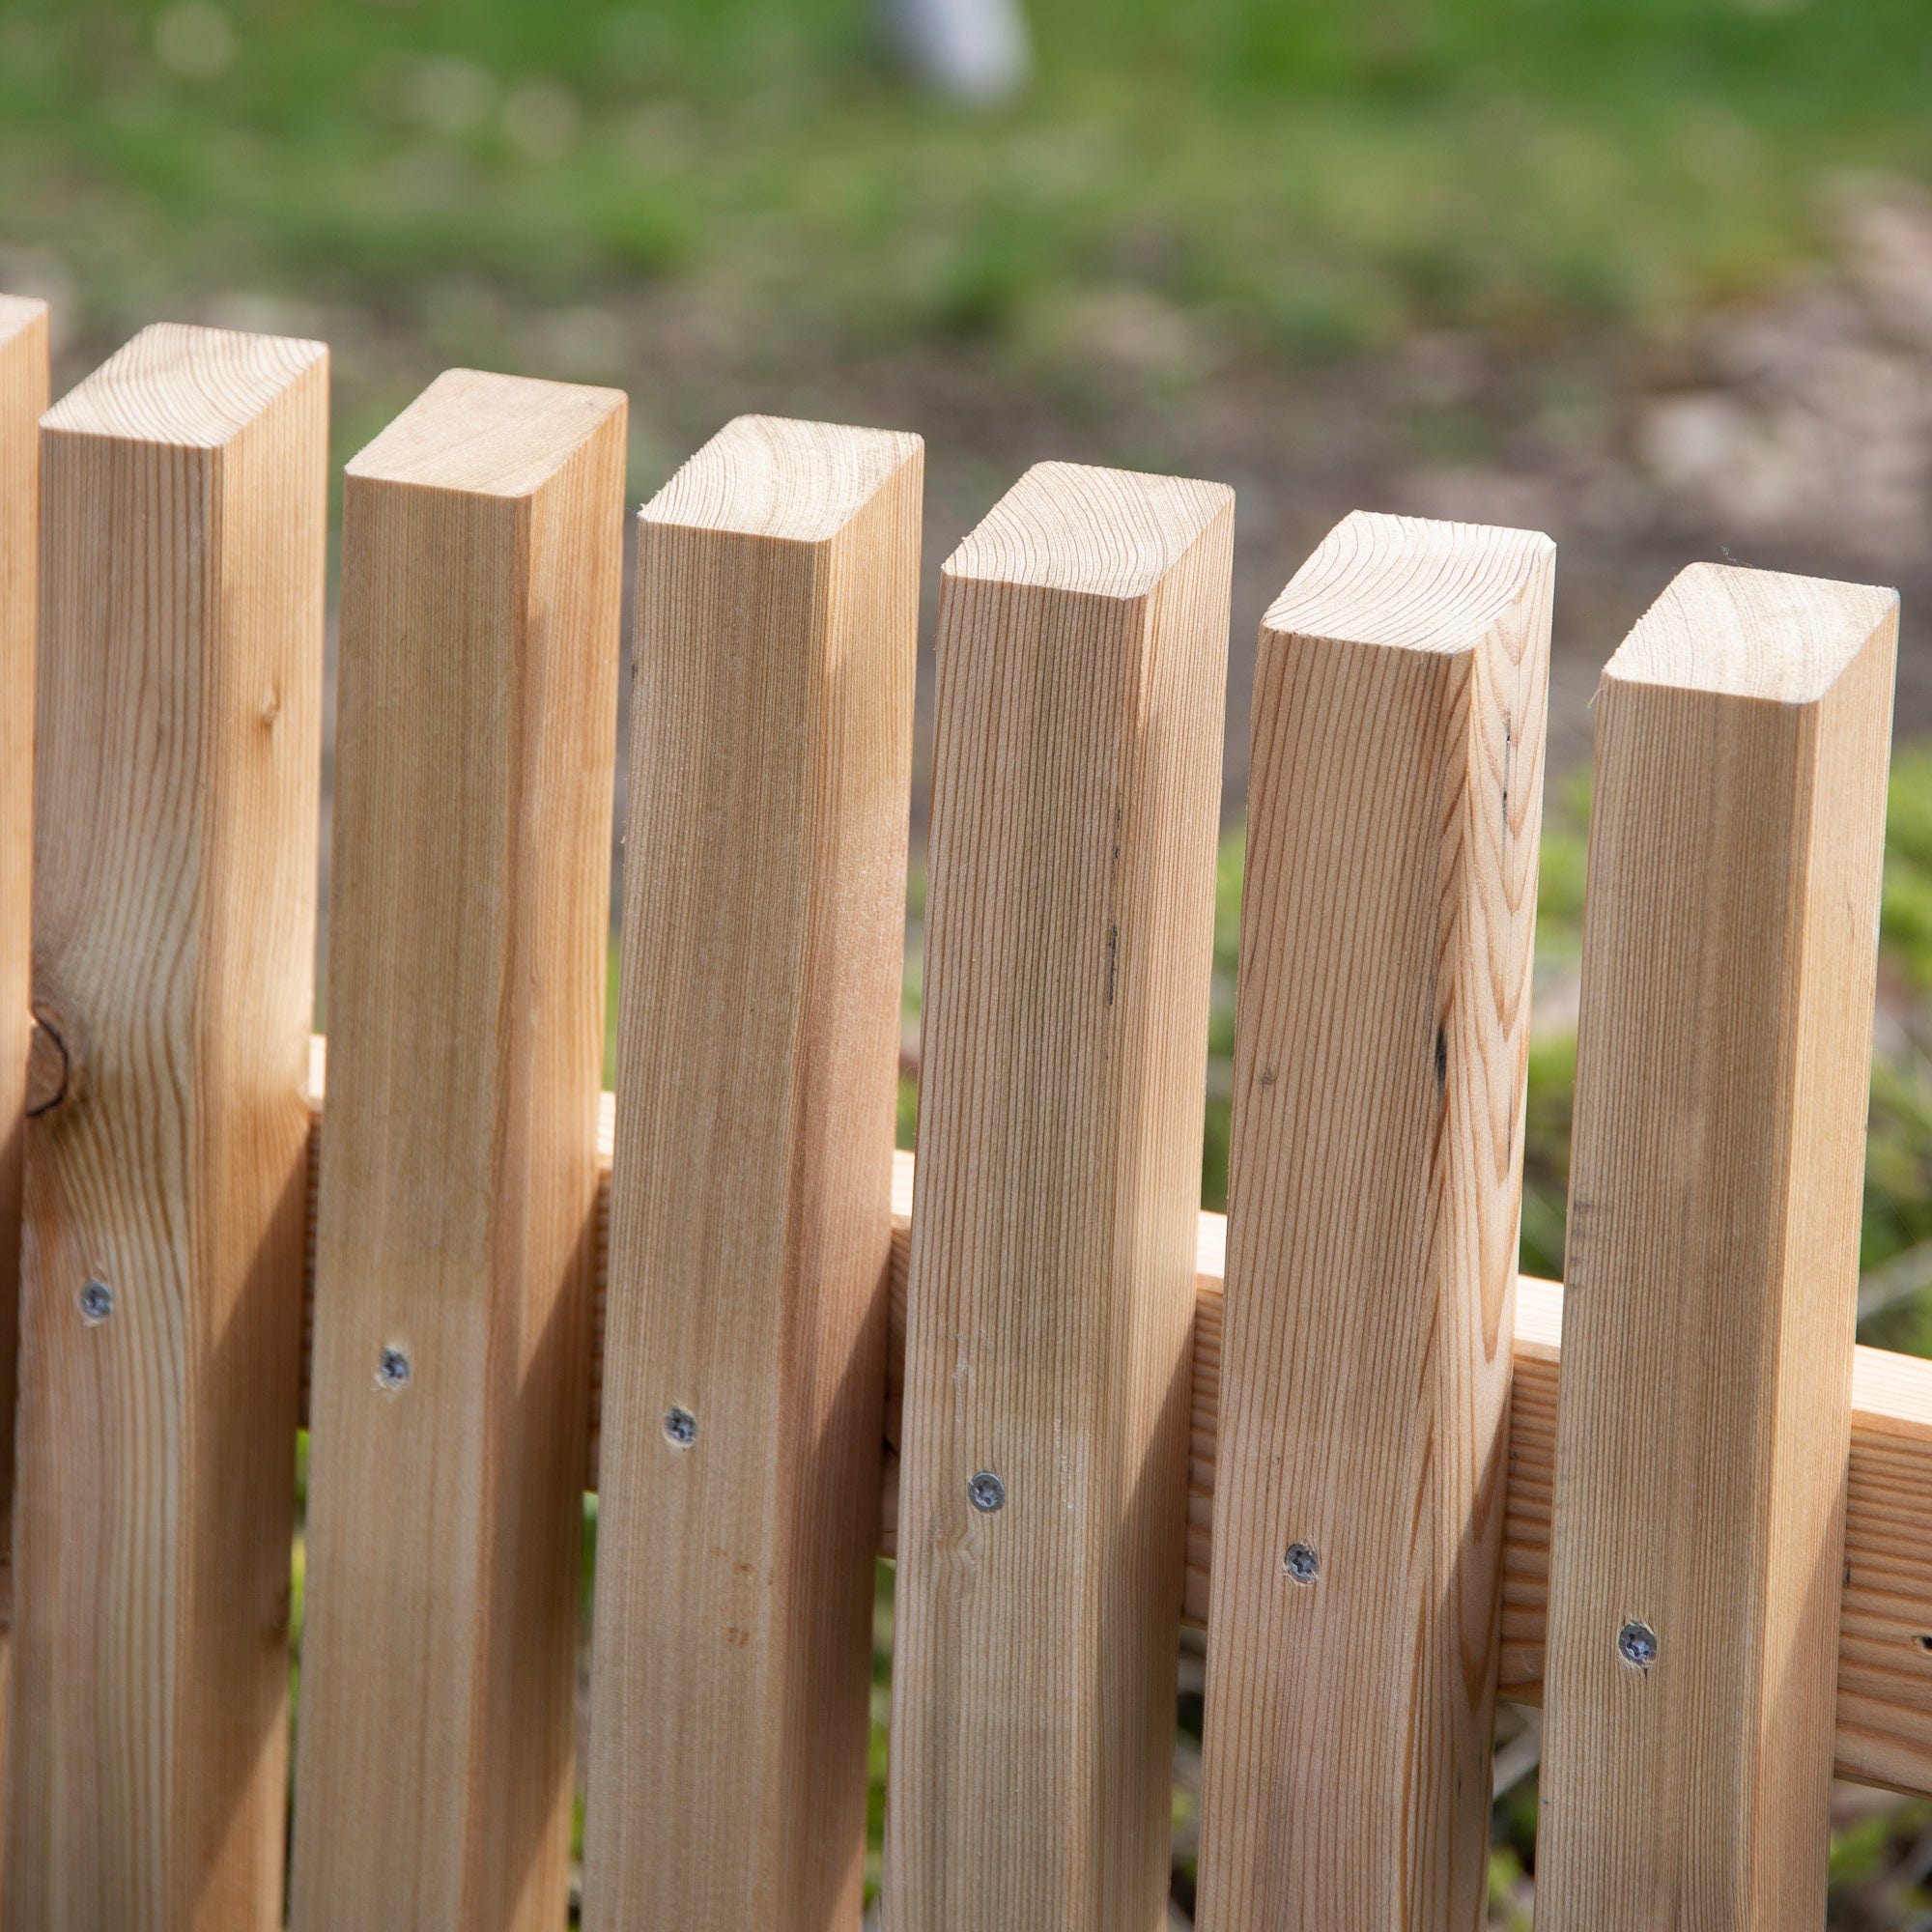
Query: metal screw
<point>1301,1563</point>
<point>1637,1645</point>
<point>392,1370</point>
<point>680,1427</point>
<point>987,1492</point>
<point>97,1303</point>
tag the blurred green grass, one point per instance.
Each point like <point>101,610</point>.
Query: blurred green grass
<point>1316,179</point>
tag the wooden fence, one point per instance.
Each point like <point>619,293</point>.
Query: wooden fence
<point>1031,1368</point>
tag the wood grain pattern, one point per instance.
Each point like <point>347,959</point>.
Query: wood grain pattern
<point>1375,1176</point>
<point>1723,1053</point>
<point>23,395</point>
<point>778,594</point>
<point>1082,662</point>
<point>179,740</point>
<point>1883,1730</point>
<point>482,553</point>
<point>1885,1637</point>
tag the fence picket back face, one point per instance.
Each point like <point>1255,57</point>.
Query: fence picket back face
<point>1082,664</point>
<point>482,570</point>
<point>184,487</point>
<point>24,396</point>
<point>743,1390</point>
<point>1376,1175</point>
<point>1723,1050</point>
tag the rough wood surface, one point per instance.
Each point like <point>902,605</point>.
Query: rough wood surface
<point>184,486</point>
<point>1723,1055</point>
<point>1081,667</point>
<point>744,1366</point>
<point>1387,907</point>
<point>1885,1636</point>
<point>482,555</point>
<point>23,395</point>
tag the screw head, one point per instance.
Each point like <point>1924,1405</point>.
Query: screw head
<point>1637,1645</point>
<point>987,1492</point>
<point>1301,1563</point>
<point>392,1370</point>
<point>680,1427</point>
<point>97,1302</point>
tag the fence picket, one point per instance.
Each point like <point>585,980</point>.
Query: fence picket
<point>482,566</point>
<point>1375,1172</point>
<point>777,593</point>
<point>1710,1559</point>
<point>1722,1061</point>
<point>179,737</point>
<point>23,395</point>
<point>1082,660</point>
<point>1884,1680</point>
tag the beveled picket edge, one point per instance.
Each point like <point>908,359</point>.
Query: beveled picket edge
<point>24,398</point>
<point>1885,1644</point>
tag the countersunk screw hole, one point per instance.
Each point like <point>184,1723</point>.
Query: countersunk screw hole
<point>987,1492</point>
<point>392,1370</point>
<point>1301,1563</point>
<point>1637,1645</point>
<point>680,1427</point>
<point>1923,1639</point>
<point>97,1303</point>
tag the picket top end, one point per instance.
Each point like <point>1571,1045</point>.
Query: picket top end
<point>1410,583</point>
<point>1095,533</point>
<point>784,480</point>
<point>186,386</point>
<point>20,313</point>
<point>488,435</point>
<point>1741,633</point>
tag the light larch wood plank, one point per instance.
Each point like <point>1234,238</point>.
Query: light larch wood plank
<point>23,395</point>
<point>1885,1639</point>
<point>771,750</point>
<point>1388,901</point>
<point>1883,1730</point>
<point>1082,660</point>
<point>482,554</point>
<point>184,486</point>
<point>1723,1053</point>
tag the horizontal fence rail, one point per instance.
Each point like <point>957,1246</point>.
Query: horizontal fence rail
<point>1884,1635</point>
<point>1076,1410</point>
